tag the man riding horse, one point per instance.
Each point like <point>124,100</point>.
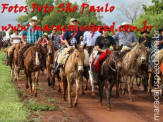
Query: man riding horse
<point>69,38</point>
<point>14,40</point>
<point>32,37</point>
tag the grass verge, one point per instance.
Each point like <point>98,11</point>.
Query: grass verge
<point>11,109</point>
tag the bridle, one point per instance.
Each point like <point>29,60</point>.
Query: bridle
<point>115,61</point>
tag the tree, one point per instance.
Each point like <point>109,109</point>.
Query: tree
<point>132,10</point>
<point>59,18</point>
<point>153,14</point>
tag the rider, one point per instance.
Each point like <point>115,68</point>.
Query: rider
<point>125,37</point>
<point>45,40</point>
<point>89,38</point>
<point>145,39</point>
<point>102,45</point>
<point>69,38</point>
<point>32,37</point>
<point>15,39</point>
<point>159,46</point>
<point>55,38</point>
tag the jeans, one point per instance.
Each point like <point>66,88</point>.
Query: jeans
<point>56,63</point>
<point>152,58</point>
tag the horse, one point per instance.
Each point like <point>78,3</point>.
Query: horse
<point>131,63</point>
<point>14,61</point>
<point>156,76</point>
<point>109,73</point>
<point>49,62</point>
<point>32,63</point>
<point>74,68</point>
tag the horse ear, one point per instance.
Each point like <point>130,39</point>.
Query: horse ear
<point>121,47</point>
<point>114,47</point>
<point>84,46</point>
<point>76,46</point>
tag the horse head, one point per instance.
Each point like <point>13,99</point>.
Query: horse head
<point>50,47</point>
<point>78,57</point>
<point>141,53</point>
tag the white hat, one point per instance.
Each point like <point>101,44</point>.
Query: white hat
<point>73,19</point>
<point>45,34</point>
<point>125,23</point>
<point>34,18</point>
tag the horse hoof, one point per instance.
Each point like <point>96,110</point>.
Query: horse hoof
<point>100,103</point>
<point>35,95</point>
<point>75,104</point>
<point>83,93</point>
<point>131,99</point>
<point>70,106</point>
<point>117,94</point>
<point>49,84</point>
<point>108,108</point>
<point>27,87</point>
<point>59,90</point>
<point>93,94</point>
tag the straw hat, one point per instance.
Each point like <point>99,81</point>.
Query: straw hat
<point>73,19</point>
<point>125,23</point>
<point>34,18</point>
<point>45,34</point>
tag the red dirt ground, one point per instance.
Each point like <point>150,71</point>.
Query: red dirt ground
<point>89,110</point>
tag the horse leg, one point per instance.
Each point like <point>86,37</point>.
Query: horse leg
<point>130,85</point>
<point>69,92</point>
<point>64,88</point>
<point>117,87</point>
<point>101,86</point>
<point>92,83</point>
<point>36,74</point>
<point>150,83</point>
<point>30,82</point>
<point>125,85</point>
<point>77,91</point>
<point>26,82</point>
<point>49,83</point>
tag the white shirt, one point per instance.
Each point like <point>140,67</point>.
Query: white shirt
<point>88,39</point>
<point>15,38</point>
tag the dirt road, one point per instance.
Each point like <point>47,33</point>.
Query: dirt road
<point>89,110</point>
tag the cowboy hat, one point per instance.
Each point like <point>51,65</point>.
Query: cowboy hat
<point>73,19</point>
<point>160,30</point>
<point>125,23</point>
<point>91,24</point>
<point>145,32</point>
<point>45,34</point>
<point>34,18</point>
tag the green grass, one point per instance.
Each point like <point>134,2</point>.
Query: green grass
<point>39,107</point>
<point>11,109</point>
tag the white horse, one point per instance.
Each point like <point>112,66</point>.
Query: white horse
<point>91,76</point>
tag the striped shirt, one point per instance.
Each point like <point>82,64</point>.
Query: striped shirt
<point>32,36</point>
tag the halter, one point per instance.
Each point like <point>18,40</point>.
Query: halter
<point>115,62</point>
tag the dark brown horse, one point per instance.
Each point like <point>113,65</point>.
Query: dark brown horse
<point>109,75</point>
<point>32,63</point>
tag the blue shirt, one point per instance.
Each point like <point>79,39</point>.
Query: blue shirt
<point>160,38</point>
<point>32,36</point>
<point>126,40</point>
<point>68,34</point>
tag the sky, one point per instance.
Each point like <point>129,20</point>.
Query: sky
<point>108,18</point>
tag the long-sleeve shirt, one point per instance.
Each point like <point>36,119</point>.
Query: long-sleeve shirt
<point>89,38</point>
<point>126,40</point>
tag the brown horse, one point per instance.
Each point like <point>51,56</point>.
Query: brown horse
<point>14,61</point>
<point>49,62</point>
<point>32,63</point>
<point>131,63</point>
<point>108,75</point>
<point>74,68</point>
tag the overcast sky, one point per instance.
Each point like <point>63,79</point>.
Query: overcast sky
<point>10,18</point>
